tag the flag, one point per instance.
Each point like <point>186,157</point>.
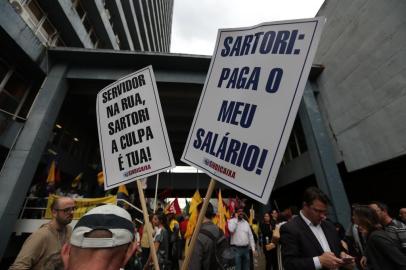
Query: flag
<point>100,178</point>
<point>221,213</point>
<point>173,207</point>
<point>232,205</point>
<point>252,215</point>
<point>196,199</point>
<point>76,181</point>
<point>53,174</point>
<point>123,190</point>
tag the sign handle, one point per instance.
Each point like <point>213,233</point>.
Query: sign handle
<point>198,225</point>
<point>147,225</point>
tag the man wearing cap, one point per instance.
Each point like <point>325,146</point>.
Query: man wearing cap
<point>103,239</point>
<point>48,239</point>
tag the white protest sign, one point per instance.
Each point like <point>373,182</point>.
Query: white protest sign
<point>133,139</point>
<point>249,103</point>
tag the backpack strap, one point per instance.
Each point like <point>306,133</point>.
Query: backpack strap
<point>208,234</point>
<point>214,260</point>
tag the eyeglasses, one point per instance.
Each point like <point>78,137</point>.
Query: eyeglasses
<point>67,210</point>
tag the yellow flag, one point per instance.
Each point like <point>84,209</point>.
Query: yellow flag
<point>77,179</point>
<point>221,213</point>
<point>252,215</point>
<point>100,178</point>
<point>122,189</point>
<point>196,199</point>
<point>52,173</point>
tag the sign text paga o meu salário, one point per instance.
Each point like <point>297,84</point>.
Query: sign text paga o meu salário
<point>249,103</point>
<point>133,139</point>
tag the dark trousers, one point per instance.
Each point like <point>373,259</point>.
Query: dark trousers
<point>242,258</point>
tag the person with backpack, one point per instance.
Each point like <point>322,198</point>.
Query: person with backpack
<point>204,256</point>
<point>212,250</point>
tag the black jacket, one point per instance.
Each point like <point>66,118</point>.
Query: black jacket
<point>299,245</point>
<point>383,253</point>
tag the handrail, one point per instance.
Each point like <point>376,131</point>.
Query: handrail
<point>130,204</point>
<point>44,208</point>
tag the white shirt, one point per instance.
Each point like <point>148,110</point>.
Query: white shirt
<point>321,237</point>
<point>241,234</point>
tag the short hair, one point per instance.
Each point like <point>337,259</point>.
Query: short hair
<point>161,217</point>
<point>55,204</point>
<point>367,217</point>
<point>209,211</point>
<point>381,205</point>
<point>313,193</point>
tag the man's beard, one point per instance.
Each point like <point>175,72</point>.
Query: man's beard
<point>63,221</point>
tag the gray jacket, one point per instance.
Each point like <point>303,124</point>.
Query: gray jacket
<point>203,253</point>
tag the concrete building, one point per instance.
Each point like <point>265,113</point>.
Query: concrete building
<point>362,99</point>
<point>350,124</point>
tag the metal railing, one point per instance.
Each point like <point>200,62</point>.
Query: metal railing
<point>40,206</point>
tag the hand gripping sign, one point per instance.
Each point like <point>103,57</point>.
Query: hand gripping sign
<point>133,139</point>
<point>249,103</point>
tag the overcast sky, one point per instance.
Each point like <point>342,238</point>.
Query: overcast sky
<point>195,22</point>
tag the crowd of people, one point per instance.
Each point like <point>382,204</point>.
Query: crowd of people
<point>106,238</point>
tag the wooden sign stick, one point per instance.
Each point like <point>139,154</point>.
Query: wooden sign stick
<point>198,224</point>
<point>147,225</point>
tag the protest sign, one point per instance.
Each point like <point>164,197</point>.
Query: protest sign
<point>249,103</point>
<point>133,139</point>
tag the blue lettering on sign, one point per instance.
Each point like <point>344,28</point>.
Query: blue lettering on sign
<point>240,78</point>
<point>237,113</point>
<point>273,42</point>
<point>233,151</point>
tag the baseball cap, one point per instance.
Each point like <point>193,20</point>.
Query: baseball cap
<point>106,217</point>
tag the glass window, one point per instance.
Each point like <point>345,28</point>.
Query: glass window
<point>35,10</point>
<point>49,28</point>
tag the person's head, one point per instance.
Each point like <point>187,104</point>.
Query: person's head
<point>381,210</point>
<point>158,220</point>
<point>103,239</point>
<point>240,213</point>
<point>209,211</point>
<point>402,214</point>
<point>170,216</point>
<point>267,217</point>
<point>315,204</point>
<point>62,209</point>
<point>274,214</point>
<point>366,219</point>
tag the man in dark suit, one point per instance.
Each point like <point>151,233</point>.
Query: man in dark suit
<point>309,241</point>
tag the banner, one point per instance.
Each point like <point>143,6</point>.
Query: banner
<point>249,103</point>
<point>82,205</point>
<point>133,139</point>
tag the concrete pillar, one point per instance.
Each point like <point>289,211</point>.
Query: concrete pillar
<point>322,157</point>
<point>21,164</point>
